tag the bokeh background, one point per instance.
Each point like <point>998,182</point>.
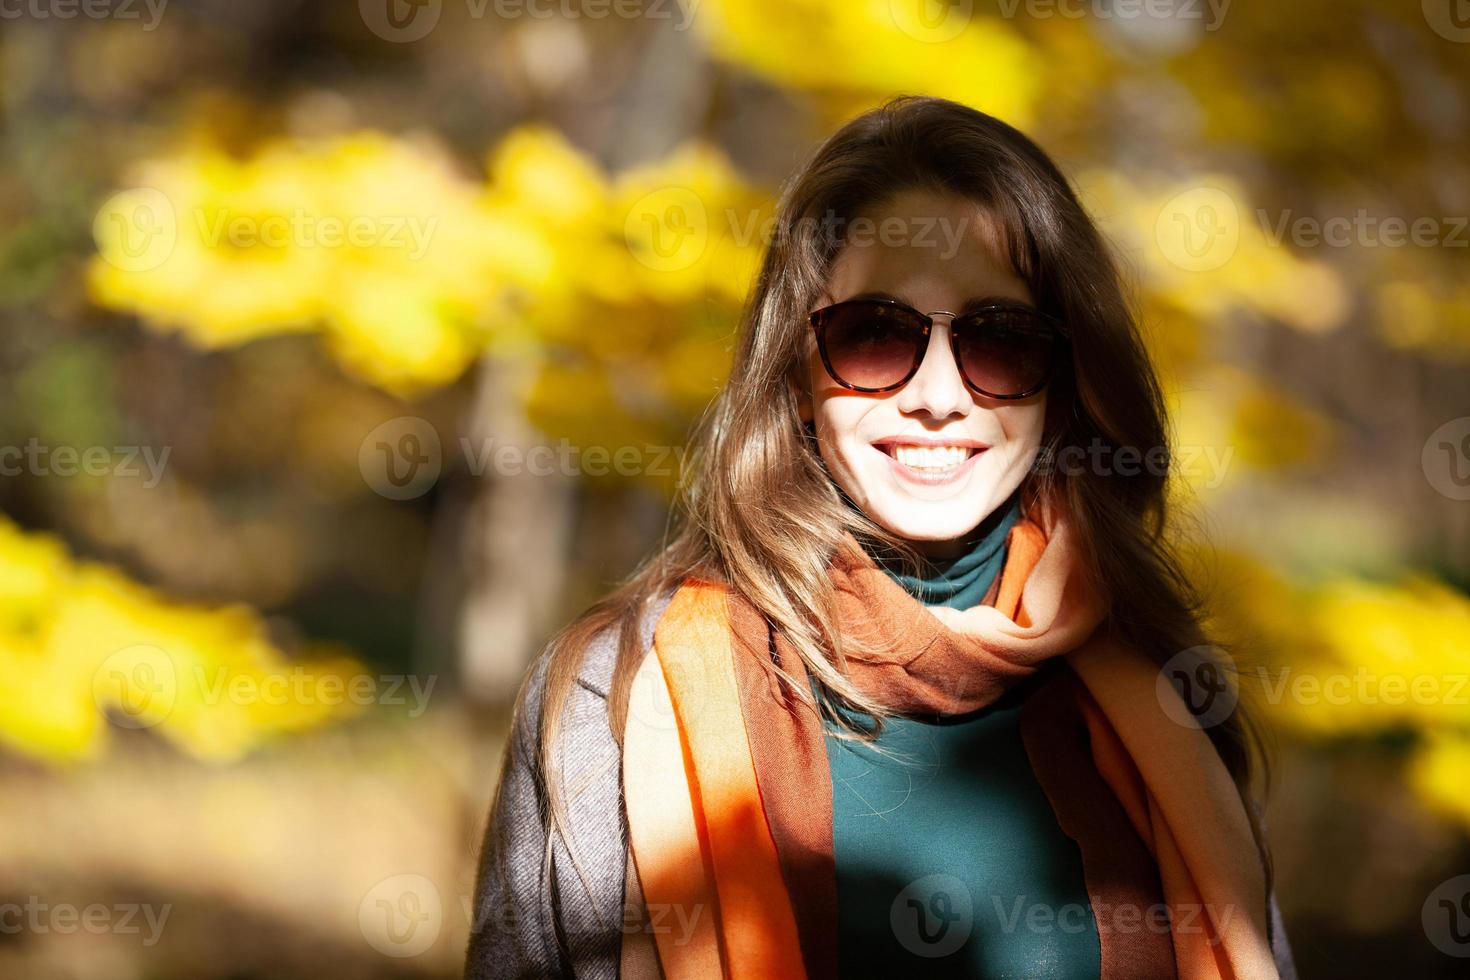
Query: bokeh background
<point>349,349</point>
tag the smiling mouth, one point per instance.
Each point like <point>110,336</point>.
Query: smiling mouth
<point>928,459</point>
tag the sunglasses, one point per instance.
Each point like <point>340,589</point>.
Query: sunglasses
<point>1003,350</point>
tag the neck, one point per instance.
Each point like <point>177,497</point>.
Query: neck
<point>960,577</point>
<point>951,549</point>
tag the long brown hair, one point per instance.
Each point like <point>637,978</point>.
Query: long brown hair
<point>758,510</point>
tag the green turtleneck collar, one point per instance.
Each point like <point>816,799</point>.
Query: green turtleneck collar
<point>962,582</point>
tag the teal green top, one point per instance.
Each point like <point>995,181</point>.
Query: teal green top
<point>950,862</point>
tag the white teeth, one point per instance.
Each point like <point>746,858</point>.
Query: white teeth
<point>931,457</point>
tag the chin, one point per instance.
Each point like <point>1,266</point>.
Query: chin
<point>906,513</point>
<point>931,533</point>
<point>925,521</point>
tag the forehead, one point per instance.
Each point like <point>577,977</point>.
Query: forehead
<point>927,248</point>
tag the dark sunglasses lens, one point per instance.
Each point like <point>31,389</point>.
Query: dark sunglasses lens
<point>1006,352</point>
<point>870,345</point>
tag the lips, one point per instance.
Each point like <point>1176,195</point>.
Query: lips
<point>930,457</point>
<point>891,444</point>
<point>929,460</point>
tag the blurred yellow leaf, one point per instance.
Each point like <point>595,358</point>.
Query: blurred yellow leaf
<point>79,643</point>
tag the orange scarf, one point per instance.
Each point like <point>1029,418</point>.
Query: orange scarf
<point>729,797</point>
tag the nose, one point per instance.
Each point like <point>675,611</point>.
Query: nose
<point>937,387</point>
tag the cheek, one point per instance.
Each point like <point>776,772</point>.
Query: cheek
<point>836,423</point>
<point>1024,426</point>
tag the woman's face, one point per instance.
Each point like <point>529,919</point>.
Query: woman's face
<point>933,252</point>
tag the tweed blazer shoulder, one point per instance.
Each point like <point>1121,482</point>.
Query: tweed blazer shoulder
<point>537,912</point>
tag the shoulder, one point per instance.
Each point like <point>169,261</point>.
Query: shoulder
<point>586,705</point>
<point>601,658</point>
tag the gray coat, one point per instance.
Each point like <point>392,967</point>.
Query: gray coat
<point>559,924</point>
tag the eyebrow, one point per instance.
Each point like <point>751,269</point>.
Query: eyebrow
<point>973,303</point>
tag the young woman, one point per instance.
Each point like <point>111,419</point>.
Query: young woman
<point>889,703</point>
